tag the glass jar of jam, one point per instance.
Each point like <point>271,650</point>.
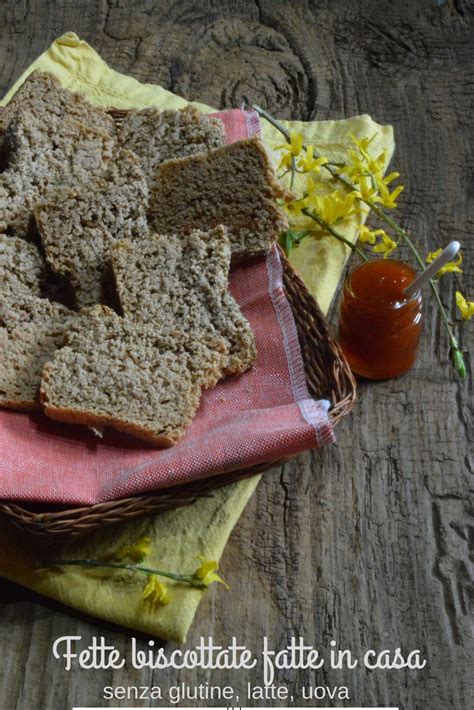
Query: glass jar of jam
<point>379,327</point>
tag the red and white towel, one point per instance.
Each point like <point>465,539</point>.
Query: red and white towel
<point>265,414</point>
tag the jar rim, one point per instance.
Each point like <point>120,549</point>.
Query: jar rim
<point>399,304</point>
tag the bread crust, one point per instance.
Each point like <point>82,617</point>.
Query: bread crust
<point>90,419</point>
<point>21,405</point>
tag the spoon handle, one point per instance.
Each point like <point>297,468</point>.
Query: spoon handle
<point>446,255</point>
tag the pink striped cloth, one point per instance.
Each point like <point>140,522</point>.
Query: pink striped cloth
<point>262,415</point>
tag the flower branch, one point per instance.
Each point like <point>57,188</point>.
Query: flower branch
<point>185,578</point>
<point>328,228</point>
<point>363,178</point>
<point>155,592</point>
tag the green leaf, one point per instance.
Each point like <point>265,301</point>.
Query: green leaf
<point>290,239</point>
<point>457,358</point>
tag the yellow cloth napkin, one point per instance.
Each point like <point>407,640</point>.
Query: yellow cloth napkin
<point>203,528</point>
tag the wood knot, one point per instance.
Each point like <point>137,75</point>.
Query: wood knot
<point>237,61</point>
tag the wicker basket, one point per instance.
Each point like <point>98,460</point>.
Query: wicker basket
<point>327,374</point>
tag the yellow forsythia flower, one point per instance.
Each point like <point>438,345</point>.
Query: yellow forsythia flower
<point>466,307</point>
<point>363,144</point>
<point>376,165</point>
<point>312,186</point>
<point>295,206</point>
<point>333,207</point>
<point>450,267</point>
<point>156,593</point>
<point>384,196</point>
<point>390,178</point>
<point>296,143</point>
<point>364,189</point>
<point>366,236</point>
<point>308,163</point>
<point>366,174</point>
<point>361,162</point>
<point>206,573</point>
<point>367,163</point>
<point>290,150</point>
<point>136,552</point>
<point>385,246</point>
<point>356,166</point>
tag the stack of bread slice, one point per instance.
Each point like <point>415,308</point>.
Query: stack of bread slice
<point>141,223</point>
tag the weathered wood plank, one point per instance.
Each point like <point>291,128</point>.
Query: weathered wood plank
<point>368,543</point>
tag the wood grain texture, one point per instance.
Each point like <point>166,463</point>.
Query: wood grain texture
<point>369,542</point>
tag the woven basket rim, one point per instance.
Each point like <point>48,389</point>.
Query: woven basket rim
<point>328,375</point>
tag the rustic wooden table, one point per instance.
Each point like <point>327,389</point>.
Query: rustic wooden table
<point>367,542</point>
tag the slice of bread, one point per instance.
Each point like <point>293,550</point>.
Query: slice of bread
<point>78,226</point>
<point>156,136</point>
<point>42,94</point>
<point>44,154</point>
<point>21,266</point>
<point>31,329</point>
<point>127,375</point>
<point>234,185</point>
<point>182,281</point>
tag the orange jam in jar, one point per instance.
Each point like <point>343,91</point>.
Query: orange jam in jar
<point>379,327</point>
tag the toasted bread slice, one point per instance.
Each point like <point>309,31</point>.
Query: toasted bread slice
<point>42,94</point>
<point>234,185</point>
<point>156,136</point>
<point>46,154</point>
<point>21,266</point>
<point>182,281</point>
<point>31,329</point>
<point>78,226</point>
<point>115,372</point>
